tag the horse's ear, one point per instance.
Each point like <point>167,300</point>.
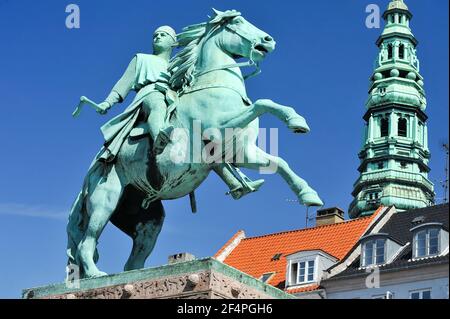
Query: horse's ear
<point>217,12</point>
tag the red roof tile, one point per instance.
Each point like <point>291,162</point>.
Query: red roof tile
<point>303,289</point>
<point>253,255</point>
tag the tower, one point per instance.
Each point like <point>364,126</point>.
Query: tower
<point>394,155</point>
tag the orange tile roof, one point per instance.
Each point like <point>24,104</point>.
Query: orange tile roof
<point>240,232</point>
<point>253,255</point>
<point>303,289</point>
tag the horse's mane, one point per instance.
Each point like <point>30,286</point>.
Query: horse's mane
<point>182,65</point>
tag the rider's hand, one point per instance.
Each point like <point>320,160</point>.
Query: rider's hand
<point>104,108</point>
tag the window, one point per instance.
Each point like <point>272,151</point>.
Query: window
<point>420,132</point>
<point>426,242</point>
<point>373,252</point>
<point>401,51</point>
<point>266,277</point>
<point>380,165</point>
<point>402,127</point>
<point>420,294</point>
<point>384,127</point>
<point>373,196</point>
<point>390,51</point>
<point>305,271</point>
<point>276,257</point>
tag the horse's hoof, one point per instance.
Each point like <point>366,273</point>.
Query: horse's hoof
<point>98,274</point>
<point>297,124</point>
<point>310,198</point>
<point>95,274</point>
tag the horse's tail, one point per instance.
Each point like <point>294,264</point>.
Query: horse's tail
<point>76,225</point>
<point>75,229</point>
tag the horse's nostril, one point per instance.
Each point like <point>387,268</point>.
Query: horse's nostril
<point>268,38</point>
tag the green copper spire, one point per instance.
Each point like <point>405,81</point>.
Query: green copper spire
<point>394,156</point>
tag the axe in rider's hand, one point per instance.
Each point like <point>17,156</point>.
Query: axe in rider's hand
<point>97,107</point>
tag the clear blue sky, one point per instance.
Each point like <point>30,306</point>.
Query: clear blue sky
<point>321,66</point>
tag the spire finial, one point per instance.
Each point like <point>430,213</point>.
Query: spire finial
<point>397,4</point>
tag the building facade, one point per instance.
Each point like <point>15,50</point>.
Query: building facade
<point>395,155</point>
<point>296,261</point>
<point>405,256</point>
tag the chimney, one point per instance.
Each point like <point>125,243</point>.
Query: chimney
<point>181,257</point>
<point>329,216</point>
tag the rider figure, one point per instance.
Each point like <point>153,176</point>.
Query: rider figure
<point>147,74</point>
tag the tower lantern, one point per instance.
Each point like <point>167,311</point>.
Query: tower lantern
<point>394,155</point>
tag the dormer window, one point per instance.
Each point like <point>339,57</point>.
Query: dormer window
<point>303,272</point>
<point>306,267</point>
<point>373,252</point>
<point>426,242</point>
<point>429,239</point>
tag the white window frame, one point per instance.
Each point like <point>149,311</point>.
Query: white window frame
<point>373,243</point>
<point>427,242</point>
<point>307,273</point>
<point>420,292</point>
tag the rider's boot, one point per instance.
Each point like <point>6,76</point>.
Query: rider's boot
<point>162,140</point>
<point>246,188</point>
<point>239,184</point>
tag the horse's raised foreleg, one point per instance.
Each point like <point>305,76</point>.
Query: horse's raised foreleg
<point>145,235</point>
<point>255,158</point>
<point>101,203</point>
<point>287,114</point>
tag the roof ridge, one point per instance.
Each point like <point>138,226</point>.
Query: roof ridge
<point>229,242</point>
<point>426,207</point>
<point>311,228</point>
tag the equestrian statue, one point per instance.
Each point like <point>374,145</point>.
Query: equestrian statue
<point>175,131</point>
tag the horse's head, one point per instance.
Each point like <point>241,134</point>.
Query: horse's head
<point>230,33</point>
<point>240,38</point>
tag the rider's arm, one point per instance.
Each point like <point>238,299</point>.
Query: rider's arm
<point>120,91</point>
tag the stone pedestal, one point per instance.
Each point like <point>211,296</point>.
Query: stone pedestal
<point>198,279</point>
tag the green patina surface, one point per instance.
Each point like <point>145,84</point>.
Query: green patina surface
<point>394,155</point>
<point>158,148</point>
<point>160,272</point>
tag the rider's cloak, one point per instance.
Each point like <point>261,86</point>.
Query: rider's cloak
<point>142,74</point>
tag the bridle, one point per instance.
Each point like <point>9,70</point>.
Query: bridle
<point>248,63</point>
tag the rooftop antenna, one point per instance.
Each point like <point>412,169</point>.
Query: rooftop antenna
<point>308,217</point>
<point>445,181</point>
